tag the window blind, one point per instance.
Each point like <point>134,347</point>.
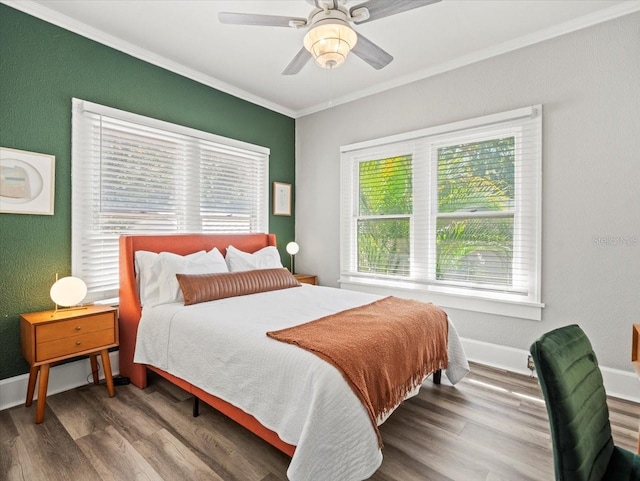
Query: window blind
<point>385,207</point>
<point>136,175</point>
<point>467,219</point>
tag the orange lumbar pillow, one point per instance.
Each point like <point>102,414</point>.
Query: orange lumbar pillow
<point>210,287</point>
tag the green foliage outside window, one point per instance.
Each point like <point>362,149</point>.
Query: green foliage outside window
<point>386,190</point>
<point>472,245</point>
<point>476,178</point>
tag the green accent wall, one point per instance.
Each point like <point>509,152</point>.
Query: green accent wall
<point>42,67</point>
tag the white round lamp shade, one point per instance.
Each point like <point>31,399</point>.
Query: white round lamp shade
<point>293,248</point>
<point>68,291</point>
<point>330,41</point>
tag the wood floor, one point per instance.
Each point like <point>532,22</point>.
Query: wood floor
<point>492,426</point>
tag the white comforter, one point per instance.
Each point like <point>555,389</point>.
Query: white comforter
<point>221,347</point>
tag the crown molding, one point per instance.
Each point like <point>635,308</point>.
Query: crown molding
<point>51,16</point>
<point>619,10</point>
<point>48,15</point>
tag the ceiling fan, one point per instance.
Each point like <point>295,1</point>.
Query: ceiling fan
<point>330,38</point>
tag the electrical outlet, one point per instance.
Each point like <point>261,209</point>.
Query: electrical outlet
<point>530,364</point>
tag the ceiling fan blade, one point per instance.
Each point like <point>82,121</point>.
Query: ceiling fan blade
<point>299,61</point>
<point>260,20</point>
<point>385,8</point>
<point>371,53</point>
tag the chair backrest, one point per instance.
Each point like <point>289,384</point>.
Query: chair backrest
<point>576,401</point>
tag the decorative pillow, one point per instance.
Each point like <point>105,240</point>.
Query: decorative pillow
<point>265,258</point>
<point>172,264</point>
<point>146,282</point>
<point>210,287</point>
<point>148,275</point>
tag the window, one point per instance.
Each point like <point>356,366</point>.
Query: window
<point>384,217</point>
<point>452,210</point>
<point>136,175</point>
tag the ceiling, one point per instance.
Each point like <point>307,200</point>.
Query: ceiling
<point>186,37</point>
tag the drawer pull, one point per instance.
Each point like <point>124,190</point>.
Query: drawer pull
<point>78,328</point>
<point>78,343</point>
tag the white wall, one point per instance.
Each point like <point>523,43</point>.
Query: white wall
<point>589,85</point>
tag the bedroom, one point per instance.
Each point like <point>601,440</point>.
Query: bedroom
<point>586,80</point>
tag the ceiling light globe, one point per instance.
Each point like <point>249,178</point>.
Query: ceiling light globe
<point>329,59</point>
<point>330,42</point>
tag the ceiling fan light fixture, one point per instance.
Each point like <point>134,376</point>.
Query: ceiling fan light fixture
<point>330,41</point>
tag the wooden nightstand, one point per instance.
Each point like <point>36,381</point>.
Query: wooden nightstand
<point>49,337</point>
<point>307,279</point>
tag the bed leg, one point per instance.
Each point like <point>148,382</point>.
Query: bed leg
<point>196,407</point>
<point>437,376</point>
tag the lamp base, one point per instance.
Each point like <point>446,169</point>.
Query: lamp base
<point>66,309</point>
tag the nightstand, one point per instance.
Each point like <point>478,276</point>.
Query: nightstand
<point>49,337</point>
<point>307,279</point>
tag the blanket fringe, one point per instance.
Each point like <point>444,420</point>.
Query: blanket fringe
<point>412,336</point>
<point>400,392</point>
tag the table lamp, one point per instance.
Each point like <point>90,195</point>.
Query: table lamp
<point>68,292</point>
<point>292,249</point>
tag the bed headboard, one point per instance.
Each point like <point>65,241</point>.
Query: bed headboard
<point>130,309</point>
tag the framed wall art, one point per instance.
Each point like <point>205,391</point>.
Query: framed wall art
<point>27,182</point>
<point>281,198</point>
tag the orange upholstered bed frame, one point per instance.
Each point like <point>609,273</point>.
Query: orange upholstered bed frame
<point>131,310</point>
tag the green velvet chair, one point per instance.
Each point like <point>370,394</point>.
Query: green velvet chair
<point>571,383</point>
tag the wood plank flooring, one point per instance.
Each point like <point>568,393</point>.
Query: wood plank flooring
<point>492,426</point>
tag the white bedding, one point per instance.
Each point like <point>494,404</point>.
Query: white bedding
<point>222,347</point>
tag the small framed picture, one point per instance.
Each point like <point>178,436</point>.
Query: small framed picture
<point>27,182</point>
<point>281,198</point>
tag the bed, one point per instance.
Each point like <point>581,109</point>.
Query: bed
<point>308,413</point>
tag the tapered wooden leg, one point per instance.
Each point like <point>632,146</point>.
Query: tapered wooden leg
<point>42,393</point>
<point>437,377</point>
<point>31,387</point>
<point>94,368</point>
<point>106,365</point>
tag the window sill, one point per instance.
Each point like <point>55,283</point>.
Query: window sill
<point>113,302</point>
<point>501,307</point>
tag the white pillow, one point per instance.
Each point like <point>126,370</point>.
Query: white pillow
<point>148,275</point>
<point>265,258</point>
<point>210,262</point>
<point>146,278</point>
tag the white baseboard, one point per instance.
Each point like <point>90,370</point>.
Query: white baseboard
<point>501,357</point>
<point>620,384</point>
<point>13,391</point>
<point>617,383</point>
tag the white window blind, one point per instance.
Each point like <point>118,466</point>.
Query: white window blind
<point>132,174</point>
<point>384,218</point>
<point>452,209</point>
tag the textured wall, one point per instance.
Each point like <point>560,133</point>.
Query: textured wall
<point>589,84</point>
<point>41,68</point>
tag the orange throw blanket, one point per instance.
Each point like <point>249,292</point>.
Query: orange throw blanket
<point>384,349</point>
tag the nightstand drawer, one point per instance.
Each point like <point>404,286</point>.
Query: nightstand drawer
<point>74,327</point>
<point>71,345</point>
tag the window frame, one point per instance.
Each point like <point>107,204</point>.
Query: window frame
<point>404,150</point>
<point>188,208</point>
<point>484,134</point>
<point>422,282</point>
